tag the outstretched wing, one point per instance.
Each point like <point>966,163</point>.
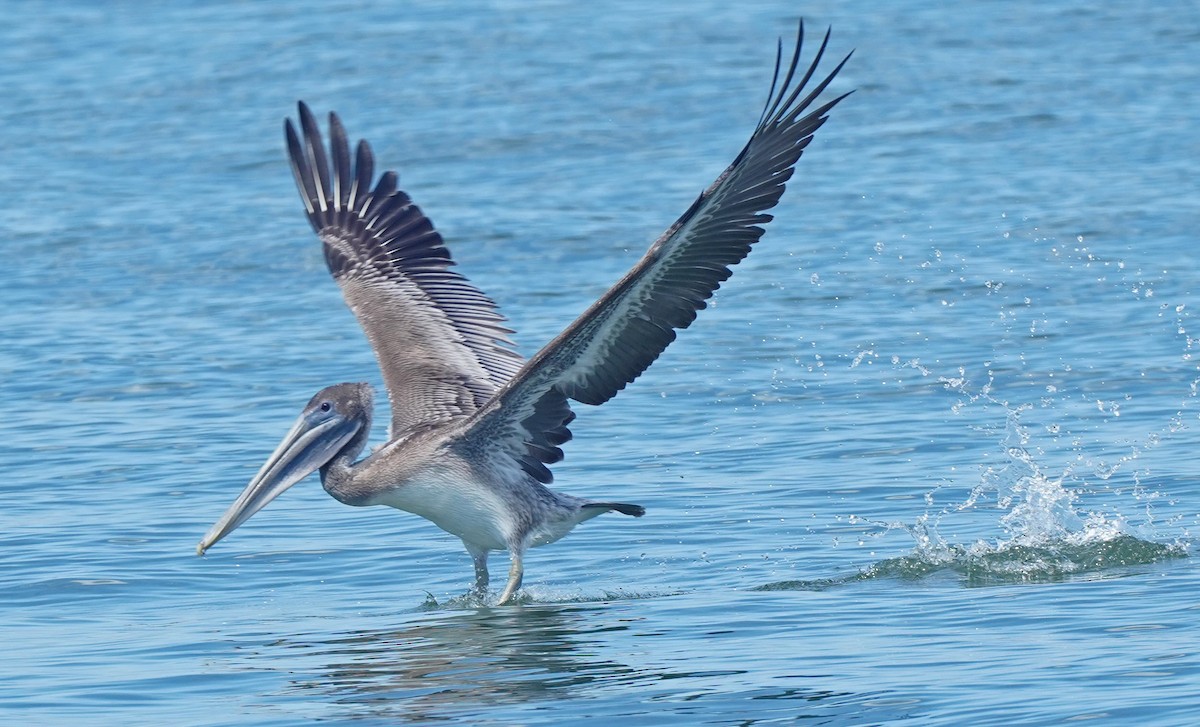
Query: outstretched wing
<point>440,342</point>
<point>616,339</point>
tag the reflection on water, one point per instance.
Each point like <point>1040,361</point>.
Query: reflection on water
<point>465,664</point>
<point>462,661</point>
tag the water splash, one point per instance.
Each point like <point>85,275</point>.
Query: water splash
<point>1047,537</point>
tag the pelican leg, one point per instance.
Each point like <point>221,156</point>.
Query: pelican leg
<point>480,558</point>
<point>515,573</point>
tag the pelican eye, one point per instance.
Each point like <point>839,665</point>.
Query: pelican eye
<point>326,406</point>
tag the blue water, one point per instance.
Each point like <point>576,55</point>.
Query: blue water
<point>929,459</point>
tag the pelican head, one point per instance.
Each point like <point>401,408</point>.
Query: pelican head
<point>333,427</point>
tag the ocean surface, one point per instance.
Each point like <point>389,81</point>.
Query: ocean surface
<point>930,457</point>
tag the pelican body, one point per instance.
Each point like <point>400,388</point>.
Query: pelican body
<point>474,426</point>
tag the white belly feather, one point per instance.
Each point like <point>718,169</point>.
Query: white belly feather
<point>473,512</point>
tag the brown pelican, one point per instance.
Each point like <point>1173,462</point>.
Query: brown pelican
<point>473,425</point>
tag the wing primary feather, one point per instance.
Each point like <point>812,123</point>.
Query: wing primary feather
<point>385,187</point>
<point>316,156</point>
<point>791,71</point>
<point>791,118</point>
<point>807,77</point>
<point>364,170</point>
<point>774,81</point>
<point>300,170</point>
<point>397,206</point>
<point>339,147</point>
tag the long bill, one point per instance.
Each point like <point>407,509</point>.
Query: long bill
<point>305,449</point>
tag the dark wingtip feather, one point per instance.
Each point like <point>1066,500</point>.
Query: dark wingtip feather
<point>339,147</point>
<point>300,169</point>
<point>314,145</point>
<point>386,186</point>
<point>364,168</point>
